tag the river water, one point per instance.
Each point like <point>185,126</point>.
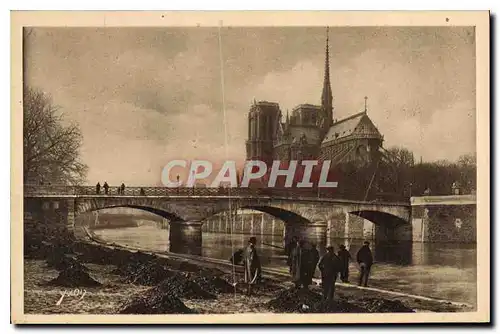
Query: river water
<point>445,271</point>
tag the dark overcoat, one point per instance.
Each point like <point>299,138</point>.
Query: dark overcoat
<point>251,262</point>
<point>300,265</point>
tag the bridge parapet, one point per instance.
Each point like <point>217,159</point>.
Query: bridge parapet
<point>33,190</point>
<point>444,200</point>
<point>263,194</point>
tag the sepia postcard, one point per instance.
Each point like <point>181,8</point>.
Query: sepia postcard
<point>250,167</point>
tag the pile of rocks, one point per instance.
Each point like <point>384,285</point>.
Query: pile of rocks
<point>96,254</point>
<point>150,273</point>
<point>181,285</point>
<point>62,262</point>
<point>41,240</point>
<point>378,305</point>
<point>152,303</point>
<point>336,306</point>
<point>214,284</point>
<point>165,297</point>
<point>307,301</point>
<point>74,277</point>
<point>295,300</point>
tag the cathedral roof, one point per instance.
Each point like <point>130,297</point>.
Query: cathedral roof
<point>306,106</point>
<point>311,134</point>
<point>352,125</point>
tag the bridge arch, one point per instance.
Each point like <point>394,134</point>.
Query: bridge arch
<point>388,226</point>
<point>294,223</point>
<point>159,212</point>
<point>286,216</point>
<point>380,218</point>
<point>184,236</point>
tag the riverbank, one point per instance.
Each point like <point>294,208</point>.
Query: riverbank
<point>446,272</point>
<point>125,277</point>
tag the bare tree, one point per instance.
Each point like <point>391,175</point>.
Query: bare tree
<point>51,148</point>
<point>400,156</point>
<point>467,160</point>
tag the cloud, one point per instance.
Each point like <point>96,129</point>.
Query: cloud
<point>300,84</point>
<point>146,96</point>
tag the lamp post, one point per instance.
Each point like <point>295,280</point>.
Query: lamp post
<point>194,181</point>
<point>178,185</point>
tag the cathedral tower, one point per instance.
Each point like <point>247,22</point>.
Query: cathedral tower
<point>326,119</point>
<point>263,121</point>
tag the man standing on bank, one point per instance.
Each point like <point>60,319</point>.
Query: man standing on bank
<point>314,259</point>
<point>251,262</point>
<point>300,265</point>
<point>344,257</point>
<point>329,265</point>
<point>288,252</point>
<point>365,260</point>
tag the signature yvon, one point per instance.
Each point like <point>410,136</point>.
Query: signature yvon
<point>72,293</point>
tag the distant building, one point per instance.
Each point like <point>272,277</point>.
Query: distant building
<point>311,132</point>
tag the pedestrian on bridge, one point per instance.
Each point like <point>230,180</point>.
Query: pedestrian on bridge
<point>122,189</point>
<point>344,257</point>
<point>98,188</point>
<point>106,187</point>
<point>329,265</point>
<point>251,262</point>
<point>365,260</point>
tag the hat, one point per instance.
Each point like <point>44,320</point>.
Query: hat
<point>252,240</point>
<point>329,248</point>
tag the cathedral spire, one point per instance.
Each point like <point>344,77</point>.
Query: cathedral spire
<point>326,95</point>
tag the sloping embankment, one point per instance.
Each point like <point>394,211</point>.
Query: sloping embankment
<point>282,275</point>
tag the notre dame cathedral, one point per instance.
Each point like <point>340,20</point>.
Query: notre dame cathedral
<point>311,132</point>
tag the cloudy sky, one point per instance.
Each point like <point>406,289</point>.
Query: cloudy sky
<point>145,96</point>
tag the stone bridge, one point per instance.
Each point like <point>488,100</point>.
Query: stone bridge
<point>186,209</point>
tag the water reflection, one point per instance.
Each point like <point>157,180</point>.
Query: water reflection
<point>222,246</point>
<point>185,238</point>
<point>395,252</point>
<point>188,249</point>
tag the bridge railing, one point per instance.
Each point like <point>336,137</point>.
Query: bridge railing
<point>164,191</point>
<point>57,190</point>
